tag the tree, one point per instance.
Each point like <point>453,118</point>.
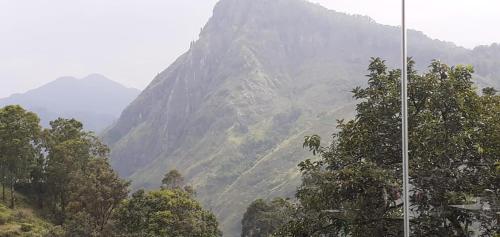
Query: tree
<point>65,162</point>
<point>355,187</point>
<point>69,150</point>
<point>172,179</point>
<point>38,179</point>
<point>263,218</point>
<point>79,225</point>
<point>454,148</point>
<point>96,193</point>
<point>166,212</point>
<point>84,190</point>
<point>19,139</point>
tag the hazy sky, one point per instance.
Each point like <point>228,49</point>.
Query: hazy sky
<point>130,41</point>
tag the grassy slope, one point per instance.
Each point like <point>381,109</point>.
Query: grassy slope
<point>21,221</point>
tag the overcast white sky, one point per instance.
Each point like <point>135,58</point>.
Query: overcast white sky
<point>130,41</point>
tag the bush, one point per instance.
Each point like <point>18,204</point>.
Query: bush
<point>56,231</point>
<point>26,227</point>
<point>79,225</point>
<point>4,218</point>
<point>19,216</point>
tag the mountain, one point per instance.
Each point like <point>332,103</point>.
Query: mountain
<point>231,113</point>
<point>95,100</point>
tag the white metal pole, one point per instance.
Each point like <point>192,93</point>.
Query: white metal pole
<point>404,120</point>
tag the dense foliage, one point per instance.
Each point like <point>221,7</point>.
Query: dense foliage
<point>166,212</point>
<point>19,143</point>
<point>78,175</point>
<point>170,211</point>
<point>64,171</point>
<point>355,187</point>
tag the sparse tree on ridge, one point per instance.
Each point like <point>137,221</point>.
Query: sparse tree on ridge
<point>172,179</point>
<point>263,218</point>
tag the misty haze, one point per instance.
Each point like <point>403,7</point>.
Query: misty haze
<point>252,118</point>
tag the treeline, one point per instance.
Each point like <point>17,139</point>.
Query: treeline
<point>354,185</point>
<point>64,170</point>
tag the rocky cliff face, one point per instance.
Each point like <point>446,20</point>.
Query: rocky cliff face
<point>231,113</point>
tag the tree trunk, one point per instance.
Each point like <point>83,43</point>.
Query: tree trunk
<point>12,196</point>
<point>40,200</point>
<point>3,185</point>
<point>38,191</point>
<point>63,208</point>
<point>53,204</point>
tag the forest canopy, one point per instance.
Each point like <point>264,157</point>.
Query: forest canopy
<point>63,174</point>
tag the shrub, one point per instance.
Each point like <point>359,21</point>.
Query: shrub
<point>19,216</point>
<point>26,227</point>
<point>4,218</point>
<point>56,231</point>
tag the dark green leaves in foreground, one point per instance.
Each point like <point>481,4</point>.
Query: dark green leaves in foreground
<point>354,188</point>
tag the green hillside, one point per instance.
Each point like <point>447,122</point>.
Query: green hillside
<point>231,113</point>
<point>23,221</point>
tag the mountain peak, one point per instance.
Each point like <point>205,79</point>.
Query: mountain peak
<point>95,100</point>
<point>96,79</point>
<point>232,14</point>
<point>96,76</point>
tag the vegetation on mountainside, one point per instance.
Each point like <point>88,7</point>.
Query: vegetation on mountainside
<point>173,179</point>
<point>22,221</point>
<point>68,187</point>
<point>231,111</point>
<point>170,212</point>
<point>355,186</point>
<point>63,175</point>
<point>19,140</point>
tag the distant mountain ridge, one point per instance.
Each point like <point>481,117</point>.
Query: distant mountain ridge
<point>232,112</point>
<point>95,100</point>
